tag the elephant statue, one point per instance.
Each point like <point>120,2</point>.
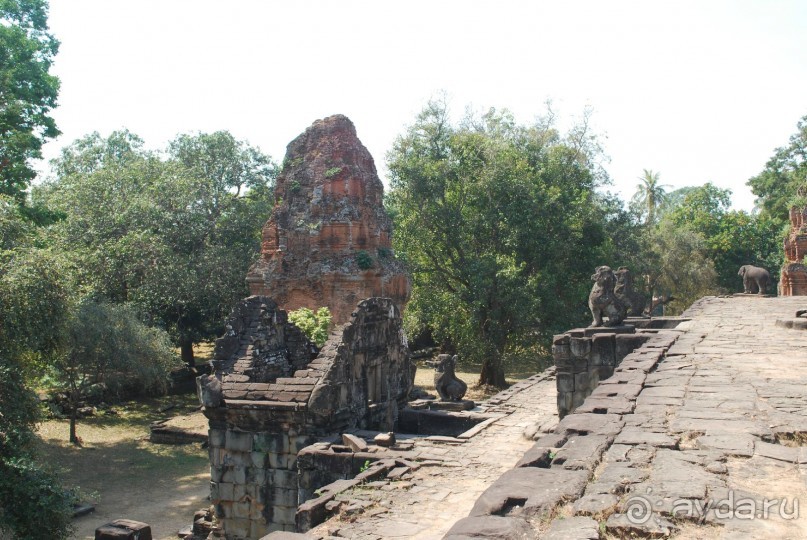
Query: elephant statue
<point>755,279</point>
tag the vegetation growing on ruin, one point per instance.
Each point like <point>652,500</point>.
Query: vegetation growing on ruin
<point>314,324</point>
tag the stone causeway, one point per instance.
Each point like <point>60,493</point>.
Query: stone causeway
<point>697,433</point>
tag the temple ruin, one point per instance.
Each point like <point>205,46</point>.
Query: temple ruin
<point>328,240</point>
<point>271,395</point>
<point>793,279</point>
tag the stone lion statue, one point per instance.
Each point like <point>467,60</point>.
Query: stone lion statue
<point>446,382</point>
<point>633,299</point>
<point>603,302</point>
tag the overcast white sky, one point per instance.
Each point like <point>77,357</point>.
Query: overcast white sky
<point>698,90</point>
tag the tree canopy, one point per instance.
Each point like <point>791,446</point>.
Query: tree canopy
<point>172,234</point>
<point>28,91</point>
<point>499,226</point>
<point>650,195</point>
<point>783,181</point>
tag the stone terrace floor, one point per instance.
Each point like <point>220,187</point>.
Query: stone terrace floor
<point>719,423</point>
<point>713,447</point>
<point>424,503</point>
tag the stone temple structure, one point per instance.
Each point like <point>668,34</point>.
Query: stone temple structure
<point>271,395</point>
<point>793,280</point>
<point>328,240</point>
<point>272,392</point>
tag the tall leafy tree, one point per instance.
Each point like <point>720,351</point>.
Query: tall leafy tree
<point>650,194</point>
<point>731,238</point>
<point>500,227</point>
<point>783,182</point>
<point>33,303</point>
<point>173,234</point>
<point>27,91</point>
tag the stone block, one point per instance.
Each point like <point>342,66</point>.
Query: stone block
<point>238,528</point>
<point>297,443</point>
<point>490,527</point>
<point>565,382</point>
<point>580,347</point>
<point>240,475</point>
<point>278,461</point>
<point>284,497</point>
<point>530,491</point>
<point>571,365</point>
<point>564,403</point>
<point>581,381</point>
<point>271,442</point>
<point>256,476</point>
<point>259,459</point>
<point>604,372</point>
<point>123,529</point>
<point>215,473</point>
<point>593,380</point>
<point>238,441</point>
<point>256,511</point>
<point>240,510</point>
<point>627,343</point>
<point>284,515</point>
<point>602,350</point>
<point>225,491</point>
<point>578,397</point>
<point>574,528</point>
<point>282,478</point>
<point>216,438</point>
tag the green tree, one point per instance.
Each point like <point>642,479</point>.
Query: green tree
<point>679,265</point>
<point>27,91</point>
<point>731,238</point>
<point>783,182</point>
<point>650,194</point>
<point>173,235</point>
<point>500,228</point>
<point>33,302</point>
<point>107,348</point>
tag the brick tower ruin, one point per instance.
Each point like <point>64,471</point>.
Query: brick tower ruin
<point>793,281</point>
<point>328,240</point>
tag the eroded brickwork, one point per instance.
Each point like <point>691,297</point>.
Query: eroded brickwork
<point>793,280</point>
<point>271,395</point>
<point>328,240</point>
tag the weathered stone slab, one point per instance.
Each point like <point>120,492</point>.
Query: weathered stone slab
<point>600,424</point>
<point>595,504</point>
<point>737,444</point>
<point>631,435</point>
<point>123,529</point>
<point>574,528</point>
<point>356,444</point>
<point>582,452</point>
<point>655,527</point>
<point>530,491</point>
<point>505,528</point>
<point>777,451</point>
<point>603,405</point>
<point>713,427</point>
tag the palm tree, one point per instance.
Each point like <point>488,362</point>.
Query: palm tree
<point>649,194</point>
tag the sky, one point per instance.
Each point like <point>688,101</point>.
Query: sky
<point>698,91</point>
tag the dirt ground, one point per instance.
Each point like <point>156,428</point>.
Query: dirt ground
<point>124,474</point>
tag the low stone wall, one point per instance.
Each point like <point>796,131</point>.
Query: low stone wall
<point>585,356</point>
